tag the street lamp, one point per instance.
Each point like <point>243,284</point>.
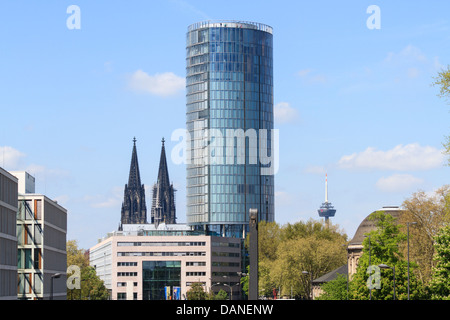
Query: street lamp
<point>310,283</point>
<point>384,266</point>
<point>407,227</point>
<point>231,288</point>
<point>56,275</point>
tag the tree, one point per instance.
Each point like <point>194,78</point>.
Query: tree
<point>196,292</point>
<point>440,282</point>
<point>384,249</point>
<point>221,295</point>
<point>443,81</point>
<point>335,289</point>
<point>431,212</point>
<point>91,287</point>
<point>285,252</point>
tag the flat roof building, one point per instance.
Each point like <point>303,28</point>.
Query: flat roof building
<point>8,239</point>
<point>229,120</point>
<point>41,247</point>
<point>144,262</point>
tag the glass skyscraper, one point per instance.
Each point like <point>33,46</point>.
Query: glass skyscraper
<point>229,120</point>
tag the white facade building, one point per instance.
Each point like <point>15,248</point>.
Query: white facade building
<point>147,263</point>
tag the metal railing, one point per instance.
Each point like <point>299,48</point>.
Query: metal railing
<point>230,24</point>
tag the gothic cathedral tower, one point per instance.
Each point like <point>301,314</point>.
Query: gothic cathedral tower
<point>134,209</point>
<point>163,206</point>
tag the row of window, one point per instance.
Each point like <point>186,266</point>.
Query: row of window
<point>160,254</point>
<point>134,274</point>
<point>162,244</point>
<point>188,264</point>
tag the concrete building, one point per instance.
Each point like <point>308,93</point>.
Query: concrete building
<point>41,246</point>
<point>8,239</point>
<point>145,262</point>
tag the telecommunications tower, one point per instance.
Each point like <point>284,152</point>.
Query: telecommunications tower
<point>326,210</point>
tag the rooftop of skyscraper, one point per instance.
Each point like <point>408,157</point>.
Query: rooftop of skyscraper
<point>231,24</point>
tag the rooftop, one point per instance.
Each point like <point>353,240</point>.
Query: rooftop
<point>230,24</point>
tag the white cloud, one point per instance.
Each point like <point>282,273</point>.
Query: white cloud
<point>398,183</point>
<point>316,170</point>
<point>284,113</point>
<point>160,84</point>
<point>407,55</point>
<point>10,158</point>
<point>401,158</point>
<point>113,199</point>
<point>309,77</point>
<point>304,72</point>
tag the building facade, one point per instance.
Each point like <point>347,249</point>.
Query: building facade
<point>8,238</point>
<point>161,263</point>
<point>163,205</point>
<point>42,256</point>
<point>229,120</point>
<point>134,209</point>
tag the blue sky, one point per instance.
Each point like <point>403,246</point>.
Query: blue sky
<point>351,101</point>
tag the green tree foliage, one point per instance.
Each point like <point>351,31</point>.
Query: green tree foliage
<point>286,252</point>
<point>196,292</point>
<point>92,287</point>
<point>221,295</point>
<point>431,213</point>
<point>443,82</point>
<point>381,246</point>
<point>335,289</point>
<point>440,282</point>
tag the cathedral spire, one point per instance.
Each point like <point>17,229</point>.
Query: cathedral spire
<point>163,207</point>
<point>163,172</point>
<point>134,209</point>
<point>134,178</point>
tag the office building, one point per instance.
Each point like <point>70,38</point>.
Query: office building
<point>229,120</point>
<point>41,247</point>
<point>145,262</point>
<point>8,239</point>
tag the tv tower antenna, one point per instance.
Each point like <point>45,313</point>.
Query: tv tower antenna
<point>326,210</point>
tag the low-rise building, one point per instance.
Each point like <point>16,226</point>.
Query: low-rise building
<point>145,262</point>
<point>41,246</point>
<point>8,239</point>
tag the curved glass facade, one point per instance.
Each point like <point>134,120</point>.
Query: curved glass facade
<point>229,118</point>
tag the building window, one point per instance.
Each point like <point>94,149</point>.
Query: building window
<point>195,263</point>
<point>195,274</point>
<point>160,278</point>
<point>127,274</point>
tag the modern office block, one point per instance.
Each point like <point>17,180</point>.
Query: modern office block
<point>229,120</point>
<point>144,262</point>
<point>41,251</point>
<point>8,239</point>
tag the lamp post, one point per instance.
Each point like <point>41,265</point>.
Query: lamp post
<point>56,275</point>
<point>407,227</point>
<point>231,289</point>
<point>310,283</point>
<point>384,266</point>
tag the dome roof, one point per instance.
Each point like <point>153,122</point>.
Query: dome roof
<point>368,225</point>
